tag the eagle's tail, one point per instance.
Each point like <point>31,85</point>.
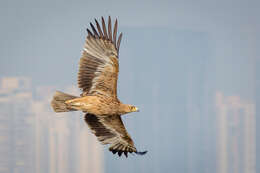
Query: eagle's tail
<point>58,102</point>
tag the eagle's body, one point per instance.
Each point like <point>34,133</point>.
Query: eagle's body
<point>99,105</point>
<point>97,77</point>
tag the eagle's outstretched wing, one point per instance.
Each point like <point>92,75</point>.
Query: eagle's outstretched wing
<point>111,130</point>
<point>98,71</point>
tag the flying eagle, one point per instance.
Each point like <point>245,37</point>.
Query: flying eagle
<point>97,77</point>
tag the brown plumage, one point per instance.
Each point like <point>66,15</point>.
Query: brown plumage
<point>97,77</point>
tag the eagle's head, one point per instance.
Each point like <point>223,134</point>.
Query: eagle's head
<point>125,108</point>
<point>133,108</point>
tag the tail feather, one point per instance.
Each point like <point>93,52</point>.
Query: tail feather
<point>58,102</point>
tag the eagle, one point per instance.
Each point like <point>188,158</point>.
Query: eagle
<point>97,78</point>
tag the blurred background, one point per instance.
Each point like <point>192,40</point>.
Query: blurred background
<point>190,66</point>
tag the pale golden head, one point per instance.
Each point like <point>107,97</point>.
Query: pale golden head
<point>125,108</point>
<point>133,108</point>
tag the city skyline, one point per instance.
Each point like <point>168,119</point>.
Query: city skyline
<point>59,131</point>
<point>182,116</point>
<point>50,143</point>
<point>189,66</point>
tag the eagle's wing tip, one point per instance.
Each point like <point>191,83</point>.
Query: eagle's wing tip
<point>141,152</point>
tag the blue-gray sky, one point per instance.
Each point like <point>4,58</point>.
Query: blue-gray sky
<point>172,52</point>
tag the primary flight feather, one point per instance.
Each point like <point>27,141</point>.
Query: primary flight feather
<point>97,77</point>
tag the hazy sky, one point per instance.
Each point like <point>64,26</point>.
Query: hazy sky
<point>170,50</point>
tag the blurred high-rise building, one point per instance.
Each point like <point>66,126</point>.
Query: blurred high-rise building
<point>70,146</point>
<point>16,126</point>
<point>236,146</point>
<point>199,105</point>
<point>34,139</point>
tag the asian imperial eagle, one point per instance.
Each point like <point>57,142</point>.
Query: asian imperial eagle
<point>97,77</point>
